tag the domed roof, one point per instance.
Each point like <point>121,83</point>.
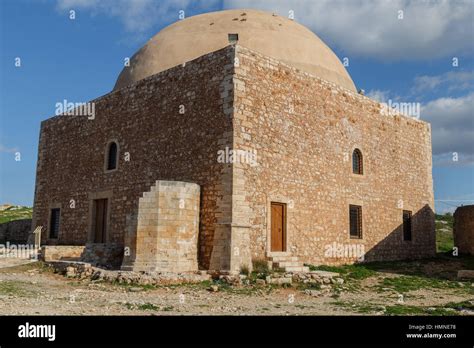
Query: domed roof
<point>271,35</point>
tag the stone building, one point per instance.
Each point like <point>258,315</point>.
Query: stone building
<point>463,229</point>
<point>232,137</point>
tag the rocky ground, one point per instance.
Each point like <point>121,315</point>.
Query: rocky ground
<point>428,287</point>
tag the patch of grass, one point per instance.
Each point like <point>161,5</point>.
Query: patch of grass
<point>9,288</point>
<point>447,219</point>
<point>206,284</point>
<point>469,304</point>
<point>356,271</point>
<point>363,307</point>
<point>15,213</point>
<point>134,285</point>
<point>223,286</point>
<point>404,284</point>
<point>244,269</point>
<point>148,307</point>
<point>404,310</point>
<point>14,288</point>
<point>41,266</point>
<point>397,309</point>
<point>308,286</point>
<point>444,232</point>
<point>444,241</point>
<point>260,266</point>
<point>238,290</point>
<point>417,310</point>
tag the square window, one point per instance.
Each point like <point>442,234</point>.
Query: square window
<point>233,38</point>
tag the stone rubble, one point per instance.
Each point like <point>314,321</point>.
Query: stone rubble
<point>82,270</point>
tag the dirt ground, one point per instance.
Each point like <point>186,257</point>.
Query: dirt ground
<point>427,288</point>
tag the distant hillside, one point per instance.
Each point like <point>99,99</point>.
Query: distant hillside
<point>444,232</point>
<point>14,212</point>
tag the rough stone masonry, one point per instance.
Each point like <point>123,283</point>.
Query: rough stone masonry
<point>289,206</point>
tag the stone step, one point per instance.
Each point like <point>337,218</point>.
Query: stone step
<point>325,274</point>
<point>283,258</point>
<point>283,264</point>
<point>287,262</point>
<point>278,253</point>
<point>297,269</point>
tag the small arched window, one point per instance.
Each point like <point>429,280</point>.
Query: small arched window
<point>357,164</point>
<point>112,156</point>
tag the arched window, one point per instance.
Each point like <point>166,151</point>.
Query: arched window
<point>357,164</point>
<point>112,156</point>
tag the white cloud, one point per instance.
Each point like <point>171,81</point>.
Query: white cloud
<point>378,95</point>
<point>4,149</point>
<point>368,28</point>
<point>136,15</point>
<point>449,81</point>
<point>452,127</point>
<point>371,28</point>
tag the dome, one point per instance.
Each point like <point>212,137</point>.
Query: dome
<point>271,35</point>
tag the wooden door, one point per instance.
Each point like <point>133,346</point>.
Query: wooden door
<point>278,227</point>
<point>100,220</point>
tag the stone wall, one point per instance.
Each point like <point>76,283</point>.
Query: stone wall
<point>166,237</point>
<point>102,255</point>
<point>50,253</point>
<point>170,125</point>
<point>105,255</point>
<point>464,229</point>
<point>15,232</point>
<point>303,131</point>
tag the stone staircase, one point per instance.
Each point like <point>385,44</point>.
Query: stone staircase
<point>287,262</point>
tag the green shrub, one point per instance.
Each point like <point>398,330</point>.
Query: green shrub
<point>260,266</point>
<point>244,269</point>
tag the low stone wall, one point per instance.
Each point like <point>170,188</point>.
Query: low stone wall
<point>464,229</point>
<point>103,255</point>
<point>51,253</point>
<point>15,232</point>
<point>83,270</point>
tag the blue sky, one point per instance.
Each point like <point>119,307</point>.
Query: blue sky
<point>405,59</point>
